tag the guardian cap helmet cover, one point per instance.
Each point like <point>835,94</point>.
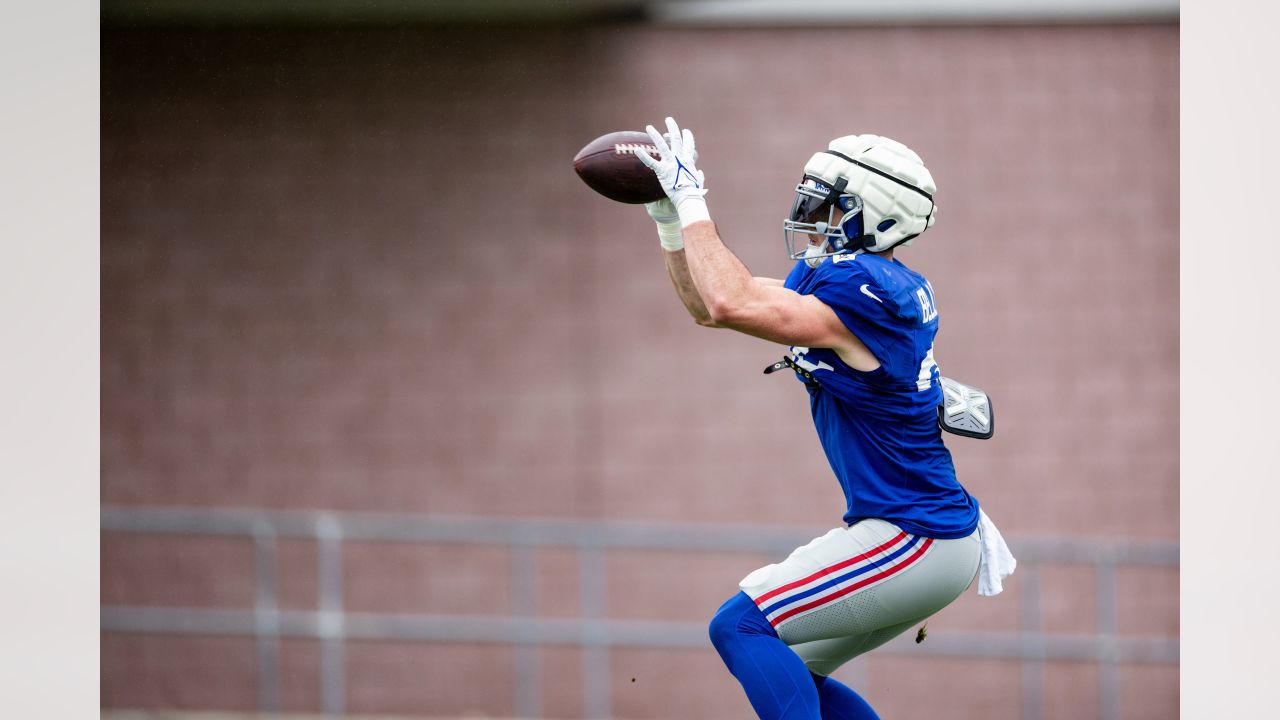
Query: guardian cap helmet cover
<point>883,187</point>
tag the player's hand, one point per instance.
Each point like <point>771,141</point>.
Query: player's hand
<point>683,182</point>
<point>667,219</point>
<point>662,211</point>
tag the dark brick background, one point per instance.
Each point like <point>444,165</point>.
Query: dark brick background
<point>352,269</point>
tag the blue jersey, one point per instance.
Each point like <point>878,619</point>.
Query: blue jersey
<point>879,429</point>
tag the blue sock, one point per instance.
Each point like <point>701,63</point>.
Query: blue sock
<point>776,680</point>
<point>840,702</point>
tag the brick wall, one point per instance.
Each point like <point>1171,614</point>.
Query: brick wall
<point>353,270</point>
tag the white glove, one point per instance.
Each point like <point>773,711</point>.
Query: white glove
<point>667,219</point>
<point>680,179</point>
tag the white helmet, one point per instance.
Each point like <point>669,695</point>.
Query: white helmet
<point>883,187</point>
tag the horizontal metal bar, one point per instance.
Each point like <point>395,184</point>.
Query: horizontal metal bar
<point>611,534</point>
<point>1094,648</point>
<point>828,12</point>
<point>609,633</point>
<point>1088,552</point>
<point>199,521</point>
<point>181,621</point>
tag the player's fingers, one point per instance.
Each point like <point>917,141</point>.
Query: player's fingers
<point>674,131</point>
<point>643,156</point>
<point>673,143</point>
<point>663,148</point>
<point>689,147</point>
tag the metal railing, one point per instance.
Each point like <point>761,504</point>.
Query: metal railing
<point>593,630</point>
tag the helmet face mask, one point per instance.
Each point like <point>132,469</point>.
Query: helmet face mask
<point>813,214</point>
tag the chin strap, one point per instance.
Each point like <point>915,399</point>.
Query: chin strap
<point>809,380</point>
<point>864,242</point>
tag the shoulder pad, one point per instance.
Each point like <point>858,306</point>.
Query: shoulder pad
<point>870,279</point>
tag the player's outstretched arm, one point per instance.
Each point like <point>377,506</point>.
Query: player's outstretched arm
<point>682,280</point>
<point>671,238</point>
<point>732,296</point>
<point>738,301</point>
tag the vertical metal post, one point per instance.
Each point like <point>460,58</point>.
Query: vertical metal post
<point>1030,626</point>
<point>266,616</point>
<point>332,661</point>
<point>528,670</point>
<point>596,676</point>
<point>1108,665</point>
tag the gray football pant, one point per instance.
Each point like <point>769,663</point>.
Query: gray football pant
<point>829,637</point>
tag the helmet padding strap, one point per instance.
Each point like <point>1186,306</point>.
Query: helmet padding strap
<point>833,196</point>
<point>879,172</point>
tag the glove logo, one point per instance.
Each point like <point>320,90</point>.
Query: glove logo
<point>681,173</point>
<point>677,173</point>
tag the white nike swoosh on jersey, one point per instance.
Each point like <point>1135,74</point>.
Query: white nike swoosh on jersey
<point>870,294</point>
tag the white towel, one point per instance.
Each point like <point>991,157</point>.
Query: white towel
<point>996,562</point>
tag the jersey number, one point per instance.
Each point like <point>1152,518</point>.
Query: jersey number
<point>927,367</point>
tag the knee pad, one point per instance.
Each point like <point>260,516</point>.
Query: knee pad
<point>738,616</point>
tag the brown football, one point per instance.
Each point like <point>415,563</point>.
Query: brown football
<point>609,166</point>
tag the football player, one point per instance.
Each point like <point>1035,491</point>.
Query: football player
<point>860,325</point>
